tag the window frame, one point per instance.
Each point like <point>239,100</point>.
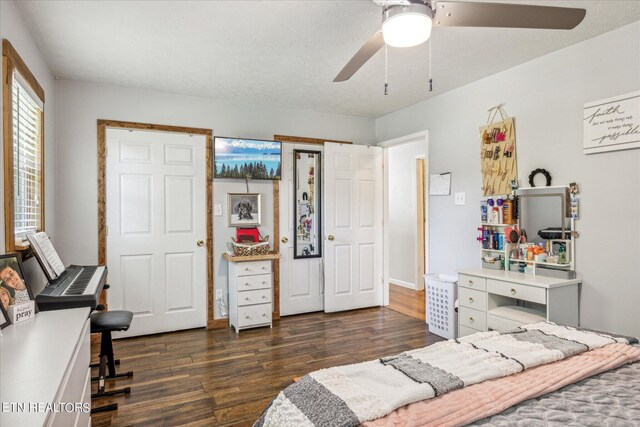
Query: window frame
<point>12,62</point>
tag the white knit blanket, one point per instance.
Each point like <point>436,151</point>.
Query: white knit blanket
<point>351,394</point>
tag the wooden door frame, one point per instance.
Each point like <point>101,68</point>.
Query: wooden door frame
<point>102,198</point>
<point>276,212</point>
<point>421,250</point>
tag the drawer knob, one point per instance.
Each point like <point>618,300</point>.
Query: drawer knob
<point>246,316</point>
<point>471,319</point>
<point>246,269</point>
<point>264,282</point>
<point>264,314</point>
<point>246,299</point>
<point>513,291</point>
<point>264,297</point>
<point>264,267</point>
<point>470,300</point>
<point>246,284</point>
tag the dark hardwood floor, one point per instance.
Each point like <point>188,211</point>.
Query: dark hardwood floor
<point>407,301</point>
<point>217,377</point>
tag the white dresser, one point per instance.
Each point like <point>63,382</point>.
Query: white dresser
<point>43,361</point>
<point>250,291</point>
<point>498,299</point>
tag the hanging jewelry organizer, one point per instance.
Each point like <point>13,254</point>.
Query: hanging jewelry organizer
<point>498,152</point>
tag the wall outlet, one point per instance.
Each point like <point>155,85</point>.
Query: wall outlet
<point>218,294</point>
<point>459,199</point>
<point>217,209</point>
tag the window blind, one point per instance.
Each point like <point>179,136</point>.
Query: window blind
<point>27,179</point>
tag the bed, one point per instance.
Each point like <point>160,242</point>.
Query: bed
<point>611,398</point>
<point>519,377</point>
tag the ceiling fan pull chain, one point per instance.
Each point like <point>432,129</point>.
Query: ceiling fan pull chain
<point>430,79</point>
<point>386,71</point>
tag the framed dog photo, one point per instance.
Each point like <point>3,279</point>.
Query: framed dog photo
<point>13,288</point>
<point>244,209</point>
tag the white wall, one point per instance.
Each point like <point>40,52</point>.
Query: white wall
<point>403,238</point>
<point>14,29</point>
<point>546,97</point>
<point>80,105</point>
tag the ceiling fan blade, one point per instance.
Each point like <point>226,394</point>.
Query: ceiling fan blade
<point>458,14</point>
<point>374,44</point>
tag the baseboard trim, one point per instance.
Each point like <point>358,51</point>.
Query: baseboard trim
<point>218,323</point>
<point>404,284</point>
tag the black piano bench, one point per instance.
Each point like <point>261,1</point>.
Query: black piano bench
<point>104,323</point>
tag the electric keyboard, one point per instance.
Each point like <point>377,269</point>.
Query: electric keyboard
<point>77,286</point>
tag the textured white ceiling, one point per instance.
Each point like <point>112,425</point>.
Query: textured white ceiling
<point>283,53</point>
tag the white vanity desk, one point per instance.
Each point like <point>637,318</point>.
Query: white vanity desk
<point>488,297</point>
<point>45,360</point>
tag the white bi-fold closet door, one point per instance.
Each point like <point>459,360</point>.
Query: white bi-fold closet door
<point>156,217</point>
<point>349,274</point>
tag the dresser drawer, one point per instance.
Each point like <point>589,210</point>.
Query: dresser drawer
<point>249,283</point>
<point>473,299</point>
<point>254,315</point>
<point>463,331</point>
<point>474,319</point>
<point>518,291</point>
<point>254,267</point>
<point>259,296</point>
<point>472,282</point>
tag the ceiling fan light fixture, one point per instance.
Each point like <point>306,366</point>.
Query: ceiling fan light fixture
<point>407,26</point>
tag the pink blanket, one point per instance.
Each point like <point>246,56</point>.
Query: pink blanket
<point>491,397</point>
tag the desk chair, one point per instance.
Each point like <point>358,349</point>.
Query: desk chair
<point>104,323</point>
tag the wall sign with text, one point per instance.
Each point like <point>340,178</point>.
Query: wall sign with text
<point>612,124</point>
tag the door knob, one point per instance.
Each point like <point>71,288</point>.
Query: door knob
<point>200,243</point>
<point>330,237</point>
<point>284,239</point>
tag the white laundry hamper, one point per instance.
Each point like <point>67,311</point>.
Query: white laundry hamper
<point>441,295</point>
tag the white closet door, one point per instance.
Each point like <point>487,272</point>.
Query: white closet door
<point>156,215</point>
<point>353,226</point>
<point>301,280</point>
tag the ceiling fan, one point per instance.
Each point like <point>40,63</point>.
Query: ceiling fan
<point>407,23</point>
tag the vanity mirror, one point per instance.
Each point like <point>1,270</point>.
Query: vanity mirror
<point>307,212</point>
<point>544,213</point>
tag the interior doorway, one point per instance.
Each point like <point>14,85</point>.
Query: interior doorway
<point>406,226</point>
